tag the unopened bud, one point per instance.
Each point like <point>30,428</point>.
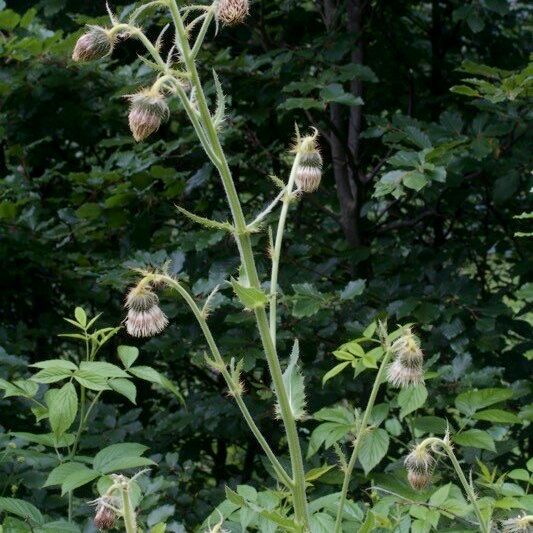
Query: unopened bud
<point>145,317</point>
<point>231,12</point>
<point>309,171</point>
<point>147,110</point>
<point>419,464</point>
<point>407,367</point>
<point>105,516</point>
<point>94,44</point>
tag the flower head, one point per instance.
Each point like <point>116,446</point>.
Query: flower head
<point>231,12</point>
<point>105,516</point>
<point>309,170</point>
<point>94,44</point>
<point>145,317</point>
<point>419,464</point>
<point>148,108</point>
<point>518,524</point>
<point>407,367</point>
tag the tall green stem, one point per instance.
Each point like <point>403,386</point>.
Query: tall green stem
<point>130,522</point>
<point>245,249</point>
<point>359,439</point>
<point>276,253</point>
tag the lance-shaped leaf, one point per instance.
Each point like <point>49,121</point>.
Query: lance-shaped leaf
<point>218,117</point>
<point>293,380</point>
<point>206,222</point>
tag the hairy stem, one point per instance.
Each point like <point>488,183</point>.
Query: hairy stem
<point>245,249</point>
<point>276,253</point>
<point>130,522</point>
<point>359,438</point>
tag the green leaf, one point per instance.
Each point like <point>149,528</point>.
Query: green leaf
<point>23,509</point>
<point>334,92</point>
<point>353,289</point>
<point>78,478</point>
<point>431,424</point>
<point>119,457</point>
<point>250,297</point>
<point>9,19</point>
<point>307,300</point>
<point>374,446</point>
<point>52,374</point>
<point>316,473</point>
<point>465,90</point>
<point>46,439</point>
<point>207,223</point>
<point>411,398</point>
<point>81,316</point>
<point>520,474</point>
<point>301,103</point>
<point>91,380</point>
<point>334,371</point>
<point>124,387</point>
<point>498,416</point>
<point>128,355</point>
<point>475,438</point>
<point>471,401</point>
<point>21,387</point>
<point>101,368</point>
<point>62,408</point>
<point>415,180</point>
<point>294,385</point>
<point>56,363</point>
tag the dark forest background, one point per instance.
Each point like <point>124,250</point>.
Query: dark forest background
<point>420,215</point>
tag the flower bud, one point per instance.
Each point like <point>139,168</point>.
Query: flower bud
<point>105,516</point>
<point>419,464</point>
<point>147,110</point>
<point>309,169</point>
<point>407,367</point>
<point>145,317</point>
<point>94,44</point>
<point>231,12</point>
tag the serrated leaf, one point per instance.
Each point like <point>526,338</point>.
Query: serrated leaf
<point>374,446</point>
<point>475,438</point>
<point>206,222</point>
<point>22,509</point>
<point>119,457</point>
<point>124,387</point>
<point>497,416</point>
<point>353,289</point>
<point>471,401</point>
<point>411,398</point>
<point>46,439</point>
<point>62,408</point>
<point>293,380</point>
<point>250,297</point>
<point>55,363</point>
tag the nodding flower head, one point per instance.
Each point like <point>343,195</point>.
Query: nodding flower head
<point>407,367</point>
<point>93,44</point>
<point>148,108</point>
<point>105,516</point>
<point>419,464</point>
<point>145,317</point>
<point>518,524</point>
<point>309,171</point>
<point>231,12</point>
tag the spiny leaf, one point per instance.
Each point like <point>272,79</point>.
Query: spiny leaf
<point>206,222</point>
<point>218,117</point>
<point>293,380</point>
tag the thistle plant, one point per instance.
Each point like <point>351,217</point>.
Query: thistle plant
<point>400,358</point>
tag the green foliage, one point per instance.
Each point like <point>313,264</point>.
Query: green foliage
<point>442,179</point>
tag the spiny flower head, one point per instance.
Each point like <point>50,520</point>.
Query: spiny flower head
<point>93,44</point>
<point>231,12</point>
<point>518,524</point>
<point>419,464</point>
<point>145,317</point>
<point>148,108</point>
<point>105,516</point>
<point>407,367</point>
<point>309,170</point>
